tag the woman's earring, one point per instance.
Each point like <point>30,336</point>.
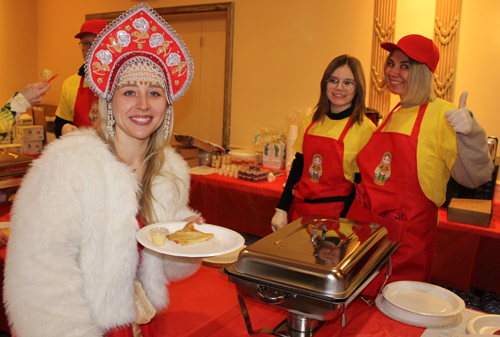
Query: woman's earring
<point>111,121</point>
<point>167,123</point>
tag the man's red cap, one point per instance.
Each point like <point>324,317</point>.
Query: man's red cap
<point>91,27</point>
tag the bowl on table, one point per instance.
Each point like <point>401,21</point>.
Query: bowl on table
<point>484,325</point>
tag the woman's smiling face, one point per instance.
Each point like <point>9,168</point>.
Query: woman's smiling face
<point>397,73</point>
<point>139,109</point>
<point>340,98</point>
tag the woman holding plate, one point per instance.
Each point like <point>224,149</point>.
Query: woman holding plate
<point>74,267</point>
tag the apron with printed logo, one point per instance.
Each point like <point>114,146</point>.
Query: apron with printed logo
<point>323,188</point>
<point>390,194</point>
<point>86,106</point>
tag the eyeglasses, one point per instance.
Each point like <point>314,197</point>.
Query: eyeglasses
<point>85,45</point>
<point>333,83</point>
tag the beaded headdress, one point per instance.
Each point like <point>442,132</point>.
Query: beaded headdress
<point>139,39</point>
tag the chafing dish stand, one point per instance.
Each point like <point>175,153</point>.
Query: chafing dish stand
<point>284,270</point>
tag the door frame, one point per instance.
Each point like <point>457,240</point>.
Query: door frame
<point>228,9</point>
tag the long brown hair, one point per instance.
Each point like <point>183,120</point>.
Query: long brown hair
<point>323,106</point>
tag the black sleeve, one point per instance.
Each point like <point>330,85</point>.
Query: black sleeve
<point>58,125</point>
<point>293,178</point>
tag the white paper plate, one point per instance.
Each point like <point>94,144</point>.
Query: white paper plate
<point>224,241</point>
<point>423,298</point>
<point>484,324</point>
<point>411,318</point>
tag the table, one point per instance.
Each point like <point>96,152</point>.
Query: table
<point>465,256</point>
<point>237,204</point>
<point>217,313</point>
<point>206,304</point>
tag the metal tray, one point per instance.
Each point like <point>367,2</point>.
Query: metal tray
<point>316,256</point>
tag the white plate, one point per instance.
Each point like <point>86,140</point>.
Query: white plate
<point>484,324</point>
<point>411,318</point>
<point>423,298</point>
<point>224,259</point>
<point>224,241</point>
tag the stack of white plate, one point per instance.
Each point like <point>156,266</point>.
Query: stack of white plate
<point>420,304</point>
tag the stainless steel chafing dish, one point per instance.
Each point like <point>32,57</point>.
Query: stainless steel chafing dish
<point>312,268</point>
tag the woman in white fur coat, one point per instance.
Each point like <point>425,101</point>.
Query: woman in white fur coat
<point>72,255</point>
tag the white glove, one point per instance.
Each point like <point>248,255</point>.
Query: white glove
<point>460,119</point>
<point>280,219</point>
<point>67,128</point>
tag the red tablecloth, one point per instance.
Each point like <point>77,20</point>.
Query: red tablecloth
<point>467,255</point>
<point>236,204</point>
<point>206,304</point>
<point>493,231</point>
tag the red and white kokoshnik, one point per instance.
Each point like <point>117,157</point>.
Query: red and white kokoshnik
<point>138,35</point>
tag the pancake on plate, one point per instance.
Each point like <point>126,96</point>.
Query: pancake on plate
<point>189,235</point>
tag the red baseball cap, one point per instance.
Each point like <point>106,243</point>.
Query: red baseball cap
<point>91,27</point>
<point>418,48</point>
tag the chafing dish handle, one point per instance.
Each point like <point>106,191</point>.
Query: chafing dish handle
<point>272,298</point>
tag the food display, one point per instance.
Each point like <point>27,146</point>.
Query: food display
<point>46,73</point>
<point>158,235</point>
<point>189,235</point>
<point>253,173</point>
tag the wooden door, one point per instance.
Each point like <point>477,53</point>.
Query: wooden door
<point>200,112</point>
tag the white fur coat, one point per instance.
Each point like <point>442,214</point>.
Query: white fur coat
<point>72,253</point>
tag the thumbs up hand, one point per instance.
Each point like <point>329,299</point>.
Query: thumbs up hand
<point>460,119</point>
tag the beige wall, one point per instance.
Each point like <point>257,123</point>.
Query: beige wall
<point>281,48</point>
<point>18,41</point>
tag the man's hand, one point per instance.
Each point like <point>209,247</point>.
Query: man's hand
<point>35,92</point>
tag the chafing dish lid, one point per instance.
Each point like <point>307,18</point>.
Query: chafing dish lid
<point>326,257</point>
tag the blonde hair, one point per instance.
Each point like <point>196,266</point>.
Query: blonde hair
<point>153,162</point>
<point>420,83</point>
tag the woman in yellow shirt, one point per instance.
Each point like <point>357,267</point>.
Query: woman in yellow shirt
<point>427,140</point>
<point>322,174</point>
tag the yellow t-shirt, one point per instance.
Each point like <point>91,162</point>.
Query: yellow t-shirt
<point>355,139</point>
<point>436,149</point>
<point>66,108</point>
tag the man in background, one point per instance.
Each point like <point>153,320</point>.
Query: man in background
<point>77,99</point>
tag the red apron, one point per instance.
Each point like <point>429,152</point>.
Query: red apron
<point>323,188</point>
<point>86,106</point>
<point>148,329</point>
<point>390,194</point>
